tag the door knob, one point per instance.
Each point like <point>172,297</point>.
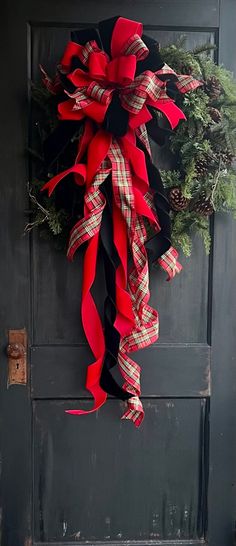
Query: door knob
<point>15,350</point>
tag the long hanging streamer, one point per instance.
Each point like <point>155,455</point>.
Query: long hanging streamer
<point>113,81</point>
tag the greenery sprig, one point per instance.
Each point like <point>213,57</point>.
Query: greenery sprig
<point>203,147</point>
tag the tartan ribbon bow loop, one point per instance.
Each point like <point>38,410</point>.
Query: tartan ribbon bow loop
<point>146,88</point>
<point>123,195</point>
<point>93,90</point>
<point>105,77</point>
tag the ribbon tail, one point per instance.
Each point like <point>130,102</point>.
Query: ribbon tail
<point>79,170</point>
<point>169,263</point>
<point>89,229</point>
<point>172,112</point>
<point>111,264</point>
<point>125,317</point>
<point>93,330</point>
<point>146,323</point>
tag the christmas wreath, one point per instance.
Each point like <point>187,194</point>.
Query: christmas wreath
<point>111,92</point>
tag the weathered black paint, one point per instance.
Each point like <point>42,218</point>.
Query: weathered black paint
<point>153,472</point>
<point>52,379</point>
<point>95,478</point>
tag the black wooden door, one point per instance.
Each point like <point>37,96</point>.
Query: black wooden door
<point>71,480</point>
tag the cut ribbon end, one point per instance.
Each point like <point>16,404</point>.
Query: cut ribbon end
<point>135,411</point>
<point>169,263</point>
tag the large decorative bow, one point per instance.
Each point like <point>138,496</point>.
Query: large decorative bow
<point>115,91</point>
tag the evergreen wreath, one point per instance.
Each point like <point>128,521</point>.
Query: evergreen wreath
<point>202,149</point>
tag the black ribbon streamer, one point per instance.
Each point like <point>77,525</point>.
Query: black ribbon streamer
<point>111,262</point>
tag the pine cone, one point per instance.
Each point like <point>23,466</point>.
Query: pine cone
<point>203,205</point>
<point>226,157</point>
<point>215,114</point>
<point>177,200</point>
<point>213,87</point>
<point>202,166</point>
<point>186,69</point>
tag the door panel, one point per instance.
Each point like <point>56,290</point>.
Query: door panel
<point>51,378</point>
<point>71,480</point>
<point>121,486</point>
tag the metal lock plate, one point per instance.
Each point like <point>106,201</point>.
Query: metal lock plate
<point>17,357</point>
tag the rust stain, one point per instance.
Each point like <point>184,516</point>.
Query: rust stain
<point>17,357</point>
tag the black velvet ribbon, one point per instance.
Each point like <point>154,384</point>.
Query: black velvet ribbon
<point>111,261</point>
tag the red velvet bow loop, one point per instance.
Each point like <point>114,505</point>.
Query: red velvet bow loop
<point>97,65</point>
<point>81,104</point>
<point>95,96</point>
<point>82,52</point>
<point>95,87</point>
<point>72,50</point>
<point>121,71</point>
<point>123,31</point>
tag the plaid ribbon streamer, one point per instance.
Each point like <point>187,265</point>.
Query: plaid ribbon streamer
<point>90,224</point>
<point>169,262</point>
<point>146,327</point>
<point>142,134</point>
<point>184,83</point>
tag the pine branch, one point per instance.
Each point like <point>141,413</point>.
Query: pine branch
<point>205,48</point>
<point>40,218</point>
